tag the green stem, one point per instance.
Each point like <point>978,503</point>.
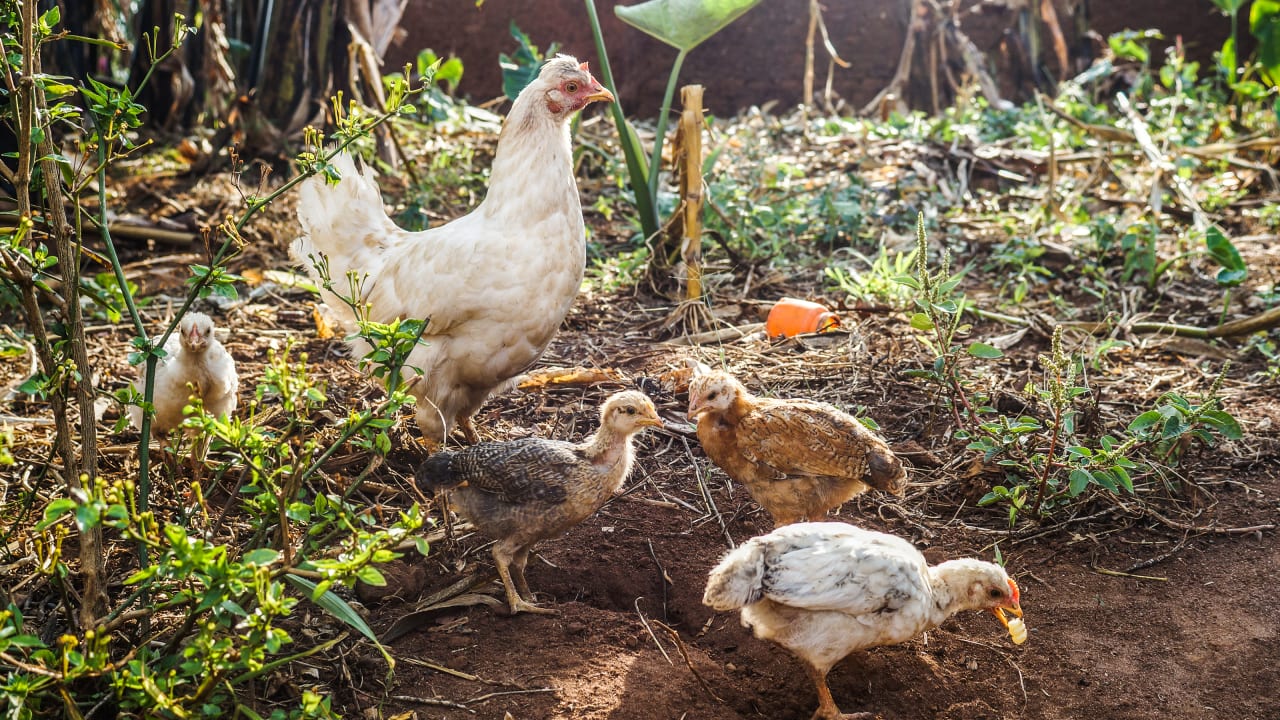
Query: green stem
<point>655,166</point>
<point>281,662</point>
<point>637,171</point>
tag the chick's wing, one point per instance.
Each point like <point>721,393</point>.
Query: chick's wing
<point>803,438</point>
<point>521,471</point>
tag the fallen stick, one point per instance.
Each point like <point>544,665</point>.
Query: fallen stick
<point>717,336</point>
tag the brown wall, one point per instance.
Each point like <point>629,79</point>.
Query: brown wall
<point>758,58</point>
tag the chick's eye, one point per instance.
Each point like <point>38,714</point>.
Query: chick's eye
<point>995,593</point>
<point>571,87</point>
<point>631,411</point>
<point>712,395</point>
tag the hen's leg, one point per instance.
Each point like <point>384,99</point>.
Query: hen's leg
<point>827,709</point>
<point>503,555</point>
<point>468,430</point>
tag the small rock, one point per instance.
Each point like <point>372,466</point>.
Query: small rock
<point>575,628</point>
<point>730,667</point>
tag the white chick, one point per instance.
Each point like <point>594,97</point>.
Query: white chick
<point>196,365</point>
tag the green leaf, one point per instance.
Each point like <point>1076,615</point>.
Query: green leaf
<point>1144,421</point>
<point>1173,427</point>
<point>920,321</point>
<point>1104,478</point>
<point>1223,422</point>
<point>341,610</point>
<point>370,575</point>
<point>1123,476</point>
<point>1228,58</point>
<point>908,280</point>
<point>683,24</point>
<point>51,18</point>
<point>1078,482</point>
<point>261,557</point>
<point>520,69</point>
<point>54,511</point>
<point>983,350</point>
<point>1225,254</point>
<point>1264,24</point>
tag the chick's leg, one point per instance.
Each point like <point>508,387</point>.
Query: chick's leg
<point>518,564</point>
<point>827,709</point>
<point>503,554</point>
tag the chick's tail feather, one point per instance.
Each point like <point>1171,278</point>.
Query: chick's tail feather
<point>345,222</point>
<point>436,473</point>
<point>738,580</point>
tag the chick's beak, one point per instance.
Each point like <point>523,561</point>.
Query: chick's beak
<point>695,410</point>
<point>654,421</point>
<point>1014,609</point>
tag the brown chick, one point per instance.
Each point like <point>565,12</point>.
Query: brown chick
<point>797,458</point>
<point>521,491</point>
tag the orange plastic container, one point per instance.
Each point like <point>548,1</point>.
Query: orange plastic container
<point>791,316</point>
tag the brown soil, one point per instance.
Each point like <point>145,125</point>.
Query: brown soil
<point>1129,617</point>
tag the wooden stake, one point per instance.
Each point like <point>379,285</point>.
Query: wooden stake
<point>691,189</point>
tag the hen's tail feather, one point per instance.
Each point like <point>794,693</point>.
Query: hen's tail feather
<point>345,222</point>
<point>436,473</point>
<point>738,580</point>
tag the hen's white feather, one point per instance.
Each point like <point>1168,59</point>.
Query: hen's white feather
<point>495,283</point>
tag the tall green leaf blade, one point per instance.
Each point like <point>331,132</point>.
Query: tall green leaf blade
<point>1264,24</point>
<point>683,24</point>
<point>340,609</point>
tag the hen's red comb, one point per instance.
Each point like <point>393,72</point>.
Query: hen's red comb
<point>1014,587</point>
<point>583,67</point>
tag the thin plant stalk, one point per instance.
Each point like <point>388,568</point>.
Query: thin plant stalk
<point>661,131</point>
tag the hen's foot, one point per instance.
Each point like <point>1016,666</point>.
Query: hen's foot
<point>845,716</point>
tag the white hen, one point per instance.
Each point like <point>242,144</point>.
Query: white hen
<point>195,364</point>
<point>495,283</point>
<point>823,590</point>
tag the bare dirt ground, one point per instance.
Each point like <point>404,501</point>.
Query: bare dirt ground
<point>1128,617</point>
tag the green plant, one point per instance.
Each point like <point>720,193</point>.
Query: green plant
<point>198,620</point>
<point>433,72</point>
<point>1176,423</point>
<point>939,315</point>
<point>682,24</point>
<point>520,69</point>
<point>878,282</point>
<point>1045,459</point>
<point>1049,463</point>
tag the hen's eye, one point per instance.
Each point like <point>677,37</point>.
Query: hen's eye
<point>995,593</point>
<point>571,87</point>
<point>712,395</point>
